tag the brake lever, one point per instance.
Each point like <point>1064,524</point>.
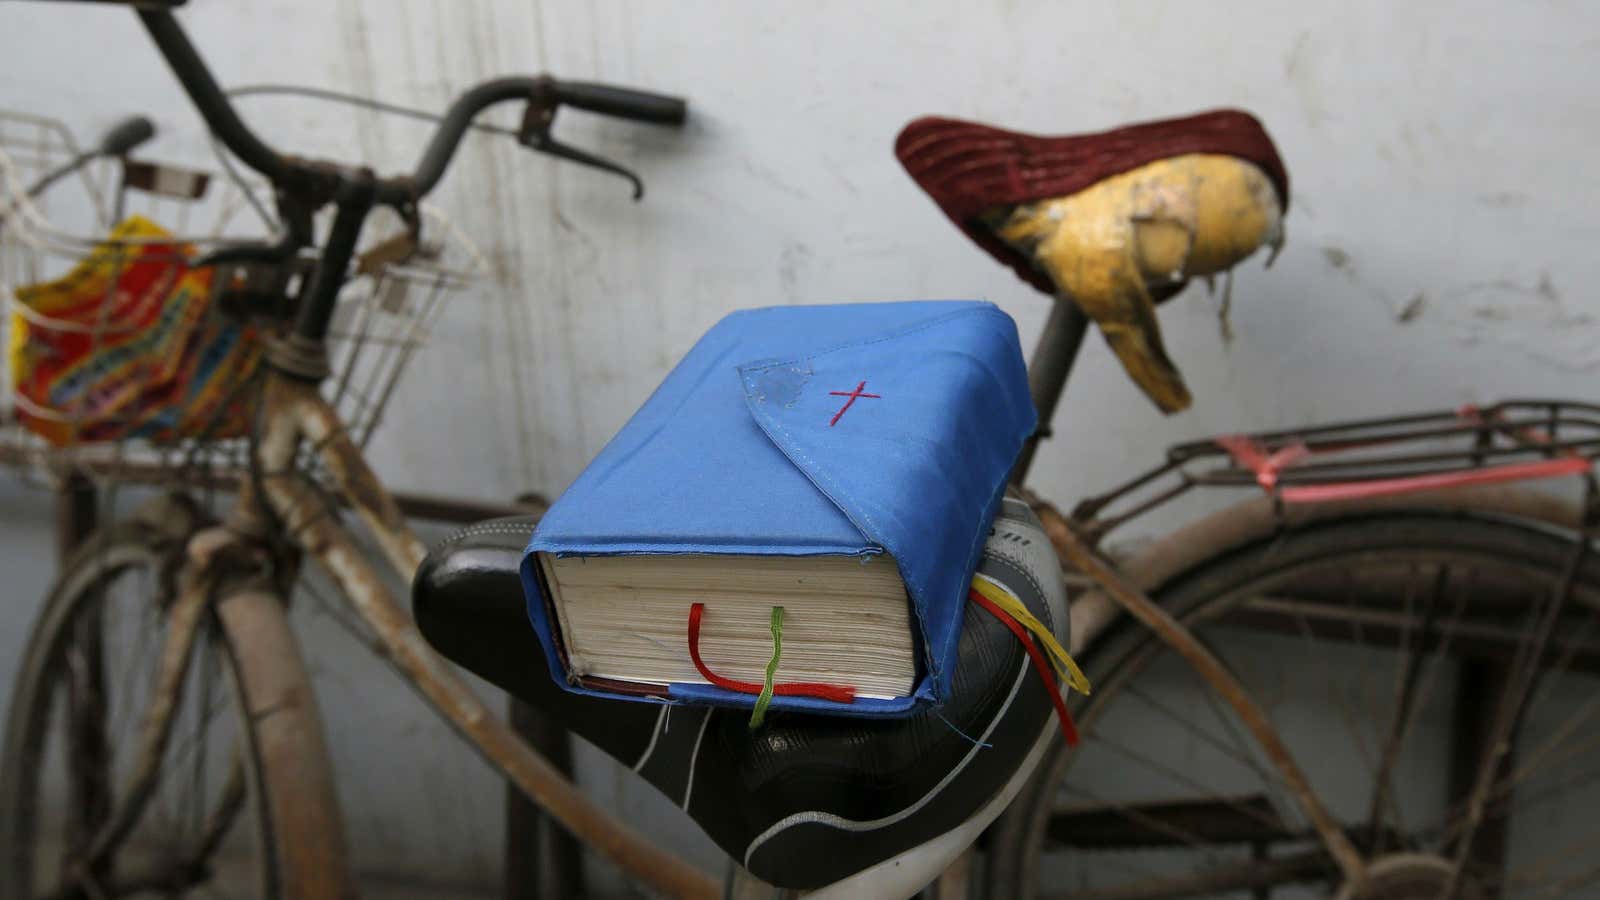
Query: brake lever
<point>397,248</point>
<point>535,135</point>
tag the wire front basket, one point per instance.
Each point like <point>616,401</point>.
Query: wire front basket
<point>127,360</point>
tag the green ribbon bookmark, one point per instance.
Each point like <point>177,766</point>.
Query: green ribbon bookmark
<point>759,714</point>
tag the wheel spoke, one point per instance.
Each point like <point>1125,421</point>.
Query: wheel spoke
<point>1365,674</point>
<point>1571,885</point>
<point>229,801</point>
<point>1430,681</point>
<point>88,811</point>
<point>1236,752</point>
<point>1266,818</point>
<point>1479,683</point>
<point>1526,769</point>
<point>206,670</point>
<point>1193,822</point>
<point>184,750</point>
<point>1496,604</point>
<point>1140,818</point>
<point>165,877</point>
<point>1313,866</point>
<point>1347,716</point>
<point>1268,780</point>
<point>1531,873</point>
<point>88,747</point>
<point>1578,639</point>
<point>156,730</point>
<point>130,674</point>
<point>1405,686</point>
<point>1500,795</point>
<point>1524,670</point>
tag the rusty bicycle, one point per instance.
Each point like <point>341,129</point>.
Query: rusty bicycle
<point>100,731</point>
<point>1370,681</point>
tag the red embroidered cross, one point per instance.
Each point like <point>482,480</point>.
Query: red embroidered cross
<point>852,395</point>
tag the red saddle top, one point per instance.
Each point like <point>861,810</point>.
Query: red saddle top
<point>968,168</point>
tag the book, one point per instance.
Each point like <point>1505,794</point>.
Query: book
<point>842,462</point>
<point>623,618</point>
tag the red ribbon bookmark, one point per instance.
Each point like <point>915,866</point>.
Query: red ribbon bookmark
<point>1068,729</point>
<point>836,693</point>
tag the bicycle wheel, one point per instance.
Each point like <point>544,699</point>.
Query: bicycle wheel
<point>1379,647</point>
<point>210,824</point>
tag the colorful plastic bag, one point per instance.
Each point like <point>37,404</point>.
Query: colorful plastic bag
<point>129,345</point>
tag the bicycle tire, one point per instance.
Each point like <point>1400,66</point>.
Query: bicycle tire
<point>287,799</point>
<point>1207,593</point>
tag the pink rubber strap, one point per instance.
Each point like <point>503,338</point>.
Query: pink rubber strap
<point>1360,490</point>
<point>1248,454</point>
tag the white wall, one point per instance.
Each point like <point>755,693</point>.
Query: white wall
<point>1436,149</point>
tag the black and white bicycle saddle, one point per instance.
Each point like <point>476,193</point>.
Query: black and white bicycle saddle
<point>856,807</point>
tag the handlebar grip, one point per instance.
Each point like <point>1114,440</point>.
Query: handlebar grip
<point>126,135</point>
<point>625,103</point>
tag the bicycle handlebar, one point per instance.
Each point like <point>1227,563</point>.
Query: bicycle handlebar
<point>626,103</point>
<point>305,185</point>
<point>208,97</point>
<point>294,173</point>
<point>120,140</point>
<point>126,135</point>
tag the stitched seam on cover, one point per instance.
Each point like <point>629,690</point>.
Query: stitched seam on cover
<point>918,589</point>
<point>491,529</point>
<point>981,540</point>
<point>985,308</point>
<point>476,530</point>
<point>750,387</point>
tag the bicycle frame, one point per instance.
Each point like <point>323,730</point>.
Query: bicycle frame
<point>1532,433</point>
<point>293,411</point>
<point>282,499</point>
<point>1048,370</point>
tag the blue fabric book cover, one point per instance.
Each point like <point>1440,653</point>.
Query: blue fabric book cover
<point>860,429</point>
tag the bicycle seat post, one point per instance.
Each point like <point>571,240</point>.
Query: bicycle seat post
<point>1052,360</point>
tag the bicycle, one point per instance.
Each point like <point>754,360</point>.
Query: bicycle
<point>78,634</point>
<point>232,653</point>
<point>1391,516</point>
<point>1213,566</point>
<point>1388,534</point>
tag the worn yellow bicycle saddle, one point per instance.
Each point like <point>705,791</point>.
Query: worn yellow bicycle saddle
<point>1114,221</point>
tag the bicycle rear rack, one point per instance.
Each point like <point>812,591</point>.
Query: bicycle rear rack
<point>1515,440</point>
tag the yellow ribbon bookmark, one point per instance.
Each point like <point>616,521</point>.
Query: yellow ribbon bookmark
<point>1065,667</point>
